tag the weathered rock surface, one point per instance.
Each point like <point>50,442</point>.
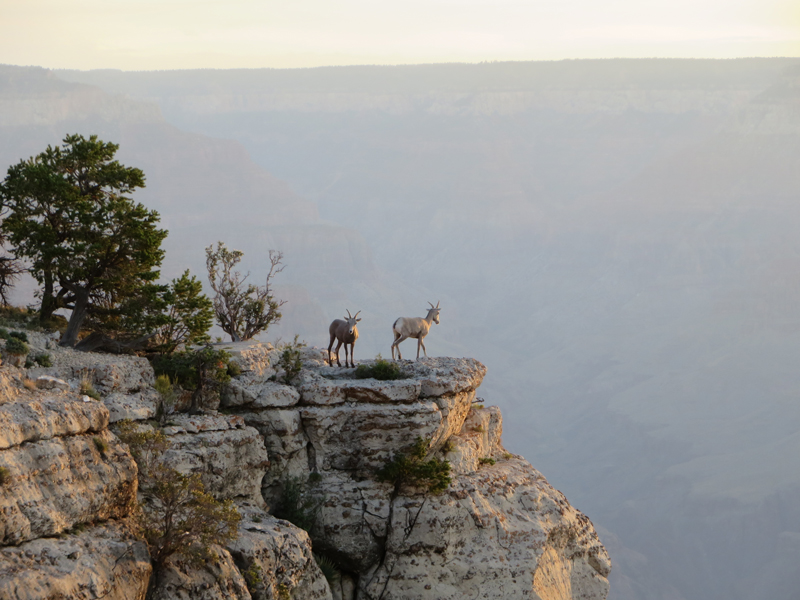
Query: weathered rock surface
<point>257,392</point>
<point>280,555</point>
<point>52,485</point>
<point>229,456</point>
<point>501,532</point>
<point>498,531</point>
<point>30,419</point>
<point>216,579</point>
<point>100,562</point>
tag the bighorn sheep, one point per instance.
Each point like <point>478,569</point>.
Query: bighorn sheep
<point>414,327</point>
<point>347,333</point>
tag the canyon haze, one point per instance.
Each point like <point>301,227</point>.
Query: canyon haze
<point>615,239</point>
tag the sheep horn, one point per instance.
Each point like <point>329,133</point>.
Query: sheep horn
<point>355,315</point>
<point>437,304</point>
<point>431,303</point>
<point>349,316</point>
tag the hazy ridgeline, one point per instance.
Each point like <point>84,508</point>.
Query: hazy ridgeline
<point>616,240</point>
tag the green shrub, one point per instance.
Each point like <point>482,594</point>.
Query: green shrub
<point>183,368</point>
<point>328,568</point>
<point>297,505</point>
<point>176,515</point>
<point>87,389</point>
<point>234,369</point>
<point>3,333</point>
<point>381,369</point>
<point>508,455</point>
<point>252,576</point>
<point>290,360</point>
<point>43,360</point>
<point>5,475</point>
<point>486,460</point>
<point>283,592</point>
<point>16,346</point>
<point>167,397</point>
<point>20,335</point>
<point>100,444</point>
<point>29,363</point>
<point>411,469</point>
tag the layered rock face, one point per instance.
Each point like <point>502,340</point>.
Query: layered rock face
<point>499,530</point>
<point>63,472</point>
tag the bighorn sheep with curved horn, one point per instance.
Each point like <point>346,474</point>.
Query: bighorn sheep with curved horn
<point>347,333</point>
<point>414,327</point>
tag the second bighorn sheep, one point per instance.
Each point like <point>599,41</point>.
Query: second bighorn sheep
<point>346,332</point>
<point>414,327</point>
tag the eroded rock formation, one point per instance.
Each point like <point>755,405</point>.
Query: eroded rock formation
<point>498,531</point>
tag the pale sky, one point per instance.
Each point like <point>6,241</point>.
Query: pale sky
<point>171,34</point>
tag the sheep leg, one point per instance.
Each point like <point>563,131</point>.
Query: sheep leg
<point>346,364</point>
<point>352,360</point>
<point>421,343</point>
<point>396,344</point>
<point>339,345</point>
<point>330,360</point>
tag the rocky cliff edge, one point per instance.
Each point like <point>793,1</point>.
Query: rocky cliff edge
<point>68,487</point>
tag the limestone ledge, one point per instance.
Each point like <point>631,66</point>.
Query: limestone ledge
<point>43,417</point>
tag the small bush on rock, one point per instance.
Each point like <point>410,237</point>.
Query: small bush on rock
<point>176,514</point>
<point>3,333</point>
<point>20,335</point>
<point>43,360</point>
<point>290,361</point>
<point>5,475</point>
<point>16,346</point>
<point>298,504</point>
<point>100,444</point>
<point>411,469</point>
<point>87,389</point>
<point>328,568</point>
<point>486,460</point>
<point>381,369</point>
<point>167,397</point>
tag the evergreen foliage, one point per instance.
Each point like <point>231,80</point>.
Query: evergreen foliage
<point>16,346</point>
<point>411,469</point>
<point>90,248</point>
<point>176,514</point>
<point>381,369</point>
<point>290,361</point>
<point>298,504</point>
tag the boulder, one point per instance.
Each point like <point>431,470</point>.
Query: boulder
<point>103,561</point>
<point>215,579</point>
<point>276,557</point>
<point>47,382</point>
<point>256,392</point>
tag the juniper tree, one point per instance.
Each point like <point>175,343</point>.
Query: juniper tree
<point>89,246</point>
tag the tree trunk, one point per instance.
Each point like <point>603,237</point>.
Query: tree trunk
<point>48,301</point>
<point>76,319</point>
